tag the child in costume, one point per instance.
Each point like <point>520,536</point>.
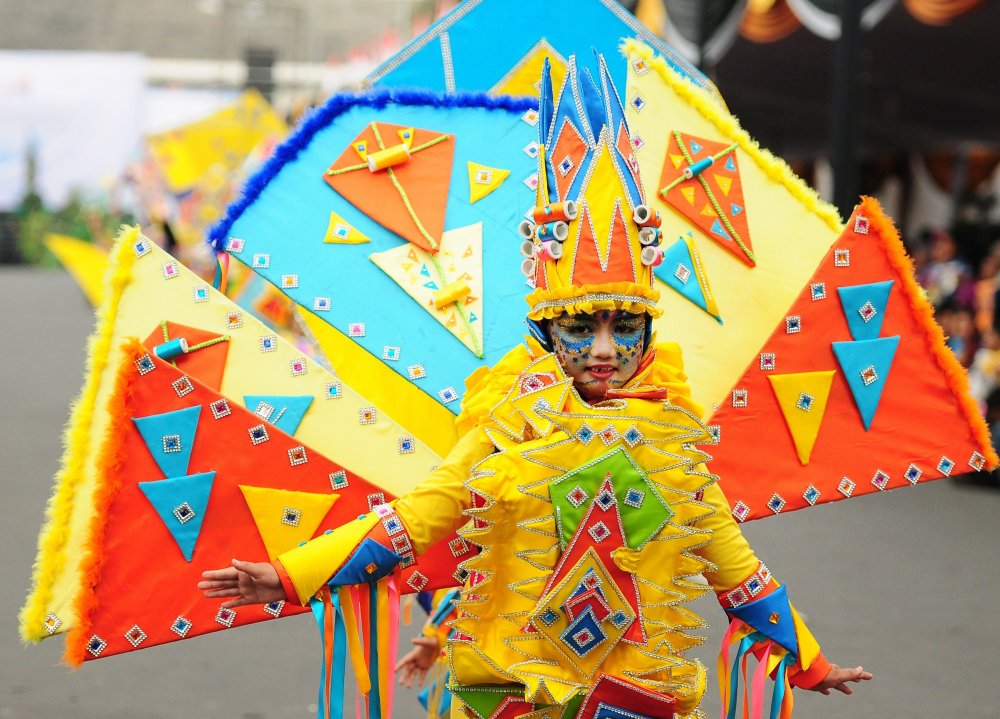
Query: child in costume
<point>578,479</point>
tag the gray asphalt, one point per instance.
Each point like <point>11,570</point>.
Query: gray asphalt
<point>904,583</point>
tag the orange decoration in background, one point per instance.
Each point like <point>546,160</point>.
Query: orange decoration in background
<point>407,198</point>
<point>713,199</point>
<point>924,415</point>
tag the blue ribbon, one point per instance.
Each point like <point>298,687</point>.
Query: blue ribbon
<point>319,611</point>
<point>779,685</point>
<point>734,675</point>
<point>374,702</point>
<point>339,669</point>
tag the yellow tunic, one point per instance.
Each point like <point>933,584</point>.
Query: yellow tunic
<point>515,452</point>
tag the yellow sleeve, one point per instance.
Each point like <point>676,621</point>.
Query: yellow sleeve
<point>433,509</point>
<point>735,563</point>
<point>728,550</point>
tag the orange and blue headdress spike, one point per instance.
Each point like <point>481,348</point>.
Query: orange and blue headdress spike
<point>569,140</point>
<point>623,153</point>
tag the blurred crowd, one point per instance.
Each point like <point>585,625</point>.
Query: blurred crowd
<point>965,293</point>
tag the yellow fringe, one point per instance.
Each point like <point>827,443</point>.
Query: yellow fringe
<point>110,461</point>
<point>775,168</point>
<point>51,558</point>
<point>587,299</point>
<point>954,373</point>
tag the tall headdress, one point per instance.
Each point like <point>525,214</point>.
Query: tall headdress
<point>593,241</point>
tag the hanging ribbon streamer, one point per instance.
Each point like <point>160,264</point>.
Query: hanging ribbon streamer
<point>783,697</point>
<point>770,655</point>
<point>393,599</point>
<point>327,611</point>
<point>370,602</point>
<point>221,278</point>
<point>759,681</point>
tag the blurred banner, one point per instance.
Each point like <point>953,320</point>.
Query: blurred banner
<point>79,115</point>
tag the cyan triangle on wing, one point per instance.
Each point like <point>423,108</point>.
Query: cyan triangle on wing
<point>864,307</point>
<point>169,437</point>
<point>283,411</point>
<point>683,270</point>
<point>181,503</point>
<point>866,365</point>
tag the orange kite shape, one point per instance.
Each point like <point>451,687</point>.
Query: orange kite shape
<point>407,193</point>
<point>701,180</point>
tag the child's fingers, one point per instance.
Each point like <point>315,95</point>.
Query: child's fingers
<point>220,574</point>
<point>218,584</point>
<point>214,593</point>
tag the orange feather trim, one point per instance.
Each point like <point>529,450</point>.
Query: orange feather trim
<point>958,380</point>
<point>109,465</point>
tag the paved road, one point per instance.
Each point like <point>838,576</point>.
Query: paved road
<point>904,583</point>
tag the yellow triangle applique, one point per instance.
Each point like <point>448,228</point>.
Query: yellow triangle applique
<point>341,232</point>
<point>688,193</point>
<point>709,211</point>
<point>802,397</point>
<point>550,398</point>
<point>724,183</point>
<point>286,518</point>
<point>406,137</point>
<point>483,179</point>
<point>452,264</point>
<point>677,160</point>
<point>523,77</point>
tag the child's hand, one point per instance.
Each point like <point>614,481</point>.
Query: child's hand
<point>249,582</point>
<point>838,677</point>
<point>419,660</point>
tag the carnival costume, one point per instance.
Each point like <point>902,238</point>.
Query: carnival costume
<point>590,521</point>
<point>201,435</point>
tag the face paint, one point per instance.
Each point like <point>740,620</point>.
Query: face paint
<point>599,351</point>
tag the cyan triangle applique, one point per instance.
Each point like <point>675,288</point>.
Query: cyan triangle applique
<point>683,270</point>
<point>864,307</point>
<point>181,503</point>
<point>866,365</point>
<point>170,437</point>
<point>283,411</point>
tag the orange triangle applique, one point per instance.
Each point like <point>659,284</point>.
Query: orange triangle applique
<point>730,230</point>
<point>926,426</point>
<point>285,518</point>
<point>566,155</point>
<point>587,262</point>
<point>207,365</point>
<point>408,198</point>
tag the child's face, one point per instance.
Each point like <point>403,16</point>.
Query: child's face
<point>601,351</point>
